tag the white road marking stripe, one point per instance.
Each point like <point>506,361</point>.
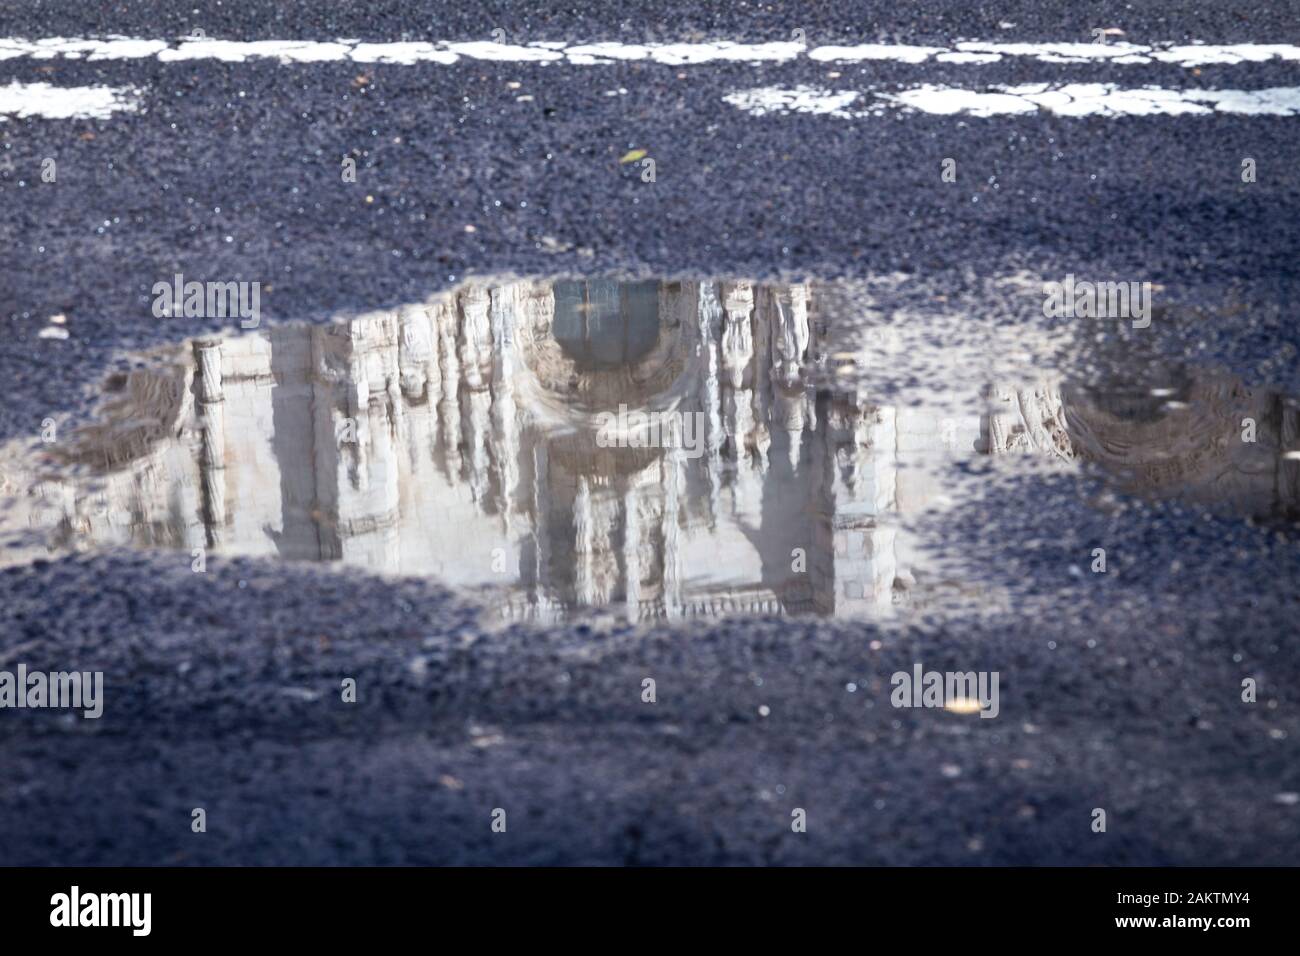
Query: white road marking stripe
<point>674,54</point>
<point>63,102</point>
<point>1071,99</point>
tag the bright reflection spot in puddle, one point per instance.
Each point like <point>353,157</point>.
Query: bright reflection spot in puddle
<point>489,438</point>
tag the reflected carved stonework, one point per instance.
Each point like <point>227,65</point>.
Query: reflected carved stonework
<point>457,438</point>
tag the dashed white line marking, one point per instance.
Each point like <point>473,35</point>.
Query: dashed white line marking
<point>21,100</point>
<point>1071,99</point>
<point>969,52</point>
<point>1076,99</point>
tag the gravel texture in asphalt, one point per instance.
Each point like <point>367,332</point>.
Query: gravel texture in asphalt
<point>1120,691</point>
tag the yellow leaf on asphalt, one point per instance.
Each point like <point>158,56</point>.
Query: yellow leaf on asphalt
<point>632,155</point>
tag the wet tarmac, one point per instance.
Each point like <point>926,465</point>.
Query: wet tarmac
<point>510,430</point>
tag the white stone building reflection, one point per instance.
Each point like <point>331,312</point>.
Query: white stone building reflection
<point>457,439</point>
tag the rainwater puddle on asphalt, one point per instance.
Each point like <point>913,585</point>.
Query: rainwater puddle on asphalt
<point>657,449</point>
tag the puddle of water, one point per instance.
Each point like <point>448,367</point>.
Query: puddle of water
<point>665,449</point>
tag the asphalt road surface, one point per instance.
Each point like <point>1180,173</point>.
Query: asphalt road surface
<point>221,689</point>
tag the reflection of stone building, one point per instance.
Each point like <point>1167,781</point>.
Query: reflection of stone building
<point>1208,439</point>
<point>458,439</point>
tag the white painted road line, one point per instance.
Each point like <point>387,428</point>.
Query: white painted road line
<point>969,52</point>
<point>1072,99</point>
<point>21,100</point>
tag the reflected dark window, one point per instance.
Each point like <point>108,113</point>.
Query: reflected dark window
<point>603,323</point>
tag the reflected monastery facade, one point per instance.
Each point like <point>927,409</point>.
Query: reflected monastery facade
<point>458,439</point>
